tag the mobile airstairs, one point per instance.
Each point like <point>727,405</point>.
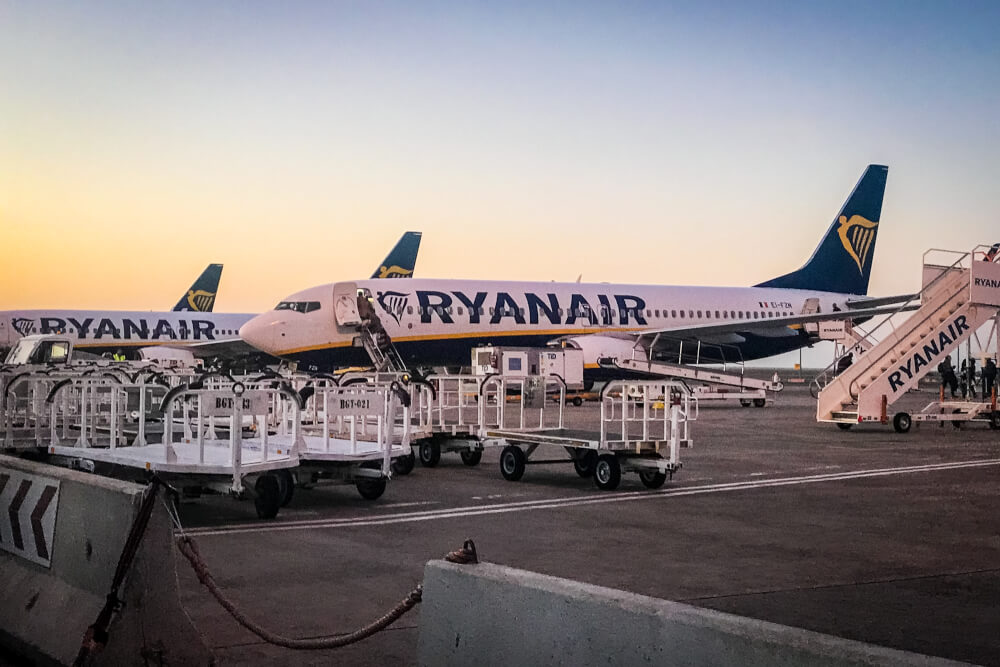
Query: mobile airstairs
<point>960,294</point>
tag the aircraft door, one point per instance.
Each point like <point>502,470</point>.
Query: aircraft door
<point>345,304</point>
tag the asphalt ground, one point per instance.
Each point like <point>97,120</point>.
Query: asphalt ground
<point>865,534</point>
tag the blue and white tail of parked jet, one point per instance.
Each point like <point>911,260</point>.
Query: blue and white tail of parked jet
<point>402,259</point>
<point>842,262</point>
<point>437,322</point>
<point>200,297</point>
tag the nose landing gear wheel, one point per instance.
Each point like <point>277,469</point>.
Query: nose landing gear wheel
<point>585,462</point>
<point>901,422</point>
<point>430,454</point>
<point>607,472</point>
<point>512,462</point>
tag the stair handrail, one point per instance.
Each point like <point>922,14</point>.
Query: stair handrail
<point>816,387</point>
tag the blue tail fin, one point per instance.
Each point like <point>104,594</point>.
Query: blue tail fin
<point>843,260</point>
<point>201,296</point>
<point>402,259</point>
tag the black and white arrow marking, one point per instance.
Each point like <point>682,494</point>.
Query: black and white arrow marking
<point>28,508</point>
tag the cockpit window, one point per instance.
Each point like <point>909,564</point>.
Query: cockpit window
<point>298,306</point>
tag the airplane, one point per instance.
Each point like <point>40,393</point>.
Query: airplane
<point>203,333</point>
<point>438,322</point>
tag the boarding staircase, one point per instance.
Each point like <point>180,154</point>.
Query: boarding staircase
<point>378,345</point>
<point>957,298</point>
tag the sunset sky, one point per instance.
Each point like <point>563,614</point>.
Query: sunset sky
<point>678,143</point>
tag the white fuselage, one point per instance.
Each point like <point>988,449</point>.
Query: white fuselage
<point>438,321</point>
<point>99,330</point>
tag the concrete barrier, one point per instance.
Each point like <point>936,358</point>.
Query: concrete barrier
<point>487,614</point>
<point>61,535</point>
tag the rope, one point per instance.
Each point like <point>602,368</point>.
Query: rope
<point>96,637</point>
<point>189,548</point>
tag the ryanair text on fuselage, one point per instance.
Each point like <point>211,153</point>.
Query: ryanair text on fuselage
<point>126,328</point>
<point>433,304</point>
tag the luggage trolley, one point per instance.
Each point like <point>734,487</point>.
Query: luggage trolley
<point>635,435</point>
<point>215,438</point>
<point>355,435</point>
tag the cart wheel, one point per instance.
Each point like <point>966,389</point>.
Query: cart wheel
<point>957,423</point>
<point>268,496</point>
<point>995,420</point>
<point>746,403</point>
<point>430,453</point>
<point>652,479</point>
<point>759,402</point>
<point>844,426</point>
<point>403,465</point>
<point>512,461</point>
<point>471,457</point>
<point>577,401</point>
<point>902,422</point>
<point>286,486</point>
<point>585,461</point>
<point>371,488</point>
<point>607,472</point>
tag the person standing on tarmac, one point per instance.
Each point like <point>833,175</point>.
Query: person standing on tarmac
<point>970,377</point>
<point>947,371</point>
<point>989,377</point>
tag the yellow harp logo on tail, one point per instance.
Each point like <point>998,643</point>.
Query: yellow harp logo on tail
<point>857,235</point>
<point>201,300</point>
<point>394,272</point>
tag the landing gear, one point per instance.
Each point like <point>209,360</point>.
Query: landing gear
<point>584,462</point>
<point>512,462</point>
<point>608,472</point>
<point>759,402</point>
<point>267,499</point>
<point>430,453</point>
<point>471,457</point>
<point>746,402</point>
<point>902,422</point>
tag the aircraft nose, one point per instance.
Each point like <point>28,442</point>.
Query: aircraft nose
<point>261,332</point>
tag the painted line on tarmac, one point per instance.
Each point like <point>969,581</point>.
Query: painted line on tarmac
<point>590,499</point>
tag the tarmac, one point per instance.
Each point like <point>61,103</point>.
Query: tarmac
<point>867,534</point>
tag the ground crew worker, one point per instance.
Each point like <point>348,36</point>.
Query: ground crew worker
<point>989,377</point>
<point>948,377</point>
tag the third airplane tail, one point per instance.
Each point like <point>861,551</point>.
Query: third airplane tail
<point>843,260</point>
<point>402,259</point>
<point>201,296</point>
